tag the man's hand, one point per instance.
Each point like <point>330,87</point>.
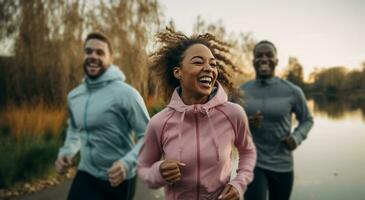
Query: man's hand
<point>255,120</point>
<point>116,173</point>
<point>170,170</point>
<point>290,143</point>
<point>63,163</point>
<point>229,193</point>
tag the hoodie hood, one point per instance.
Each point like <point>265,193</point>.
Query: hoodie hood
<point>111,74</point>
<point>217,97</point>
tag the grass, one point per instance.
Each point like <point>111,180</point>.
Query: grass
<point>30,136</point>
<point>32,120</point>
<point>26,159</point>
<point>29,141</point>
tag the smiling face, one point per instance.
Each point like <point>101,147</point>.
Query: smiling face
<point>97,58</point>
<point>197,74</point>
<point>265,60</point>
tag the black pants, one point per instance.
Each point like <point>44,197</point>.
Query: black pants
<point>86,186</point>
<point>275,185</point>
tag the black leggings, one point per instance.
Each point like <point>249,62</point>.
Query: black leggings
<point>275,185</point>
<point>86,186</point>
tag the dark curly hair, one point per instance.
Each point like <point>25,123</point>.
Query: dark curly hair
<point>171,53</point>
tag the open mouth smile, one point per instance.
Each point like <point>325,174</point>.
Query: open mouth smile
<point>206,80</point>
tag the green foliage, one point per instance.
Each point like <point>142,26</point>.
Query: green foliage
<point>26,159</point>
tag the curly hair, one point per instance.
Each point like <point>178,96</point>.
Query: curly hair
<point>171,53</point>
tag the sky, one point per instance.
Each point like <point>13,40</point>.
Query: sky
<point>320,33</point>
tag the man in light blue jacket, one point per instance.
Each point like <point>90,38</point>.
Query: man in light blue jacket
<point>107,121</point>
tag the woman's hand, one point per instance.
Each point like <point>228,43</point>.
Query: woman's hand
<point>229,193</point>
<point>170,170</point>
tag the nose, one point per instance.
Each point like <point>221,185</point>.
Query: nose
<point>92,54</point>
<point>208,67</point>
<point>265,57</point>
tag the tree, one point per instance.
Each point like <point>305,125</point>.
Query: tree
<point>48,42</point>
<point>294,72</point>
<point>240,48</point>
<point>330,80</point>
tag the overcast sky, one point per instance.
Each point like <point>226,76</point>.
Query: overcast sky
<point>320,33</point>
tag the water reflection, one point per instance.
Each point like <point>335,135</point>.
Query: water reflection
<point>337,107</point>
<point>329,163</point>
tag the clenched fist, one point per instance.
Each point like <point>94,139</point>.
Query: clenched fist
<point>116,173</point>
<point>170,170</point>
<point>63,163</point>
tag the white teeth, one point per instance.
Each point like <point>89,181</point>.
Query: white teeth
<point>205,79</point>
<point>264,66</point>
<point>93,65</point>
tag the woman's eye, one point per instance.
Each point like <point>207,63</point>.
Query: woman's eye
<point>213,64</point>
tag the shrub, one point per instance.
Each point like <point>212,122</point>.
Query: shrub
<point>27,158</point>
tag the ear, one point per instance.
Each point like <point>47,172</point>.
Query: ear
<point>276,62</point>
<point>177,72</point>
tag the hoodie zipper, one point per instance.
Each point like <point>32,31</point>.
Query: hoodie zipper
<point>198,154</point>
<point>86,128</point>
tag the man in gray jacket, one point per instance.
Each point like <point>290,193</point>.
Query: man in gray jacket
<point>104,112</point>
<point>270,103</point>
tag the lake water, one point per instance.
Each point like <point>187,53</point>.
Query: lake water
<point>330,163</point>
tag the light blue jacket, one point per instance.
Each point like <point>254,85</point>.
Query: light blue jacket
<point>107,121</point>
<point>277,100</point>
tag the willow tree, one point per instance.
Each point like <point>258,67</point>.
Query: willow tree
<point>47,42</point>
<point>130,25</point>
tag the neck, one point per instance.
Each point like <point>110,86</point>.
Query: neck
<point>264,77</point>
<point>191,99</point>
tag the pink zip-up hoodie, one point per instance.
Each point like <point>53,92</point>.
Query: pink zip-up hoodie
<point>202,137</point>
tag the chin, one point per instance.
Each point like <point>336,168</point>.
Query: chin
<point>92,76</point>
<point>206,92</point>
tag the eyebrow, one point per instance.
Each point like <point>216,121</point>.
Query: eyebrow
<point>201,58</point>
<point>94,49</point>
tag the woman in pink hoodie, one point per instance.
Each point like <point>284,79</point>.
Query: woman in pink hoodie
<point>188,145</point>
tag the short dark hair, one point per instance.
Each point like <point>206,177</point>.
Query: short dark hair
<point>101,37</point>
<point>264,42</point>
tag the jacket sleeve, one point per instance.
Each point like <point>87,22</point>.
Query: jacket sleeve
<point>305,120</point>
<point>247,155</point>
<point>149,160</point>
<point>138,117</point>
<point>72,142</point>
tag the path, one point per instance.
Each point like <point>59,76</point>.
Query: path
<point>60,192</point>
